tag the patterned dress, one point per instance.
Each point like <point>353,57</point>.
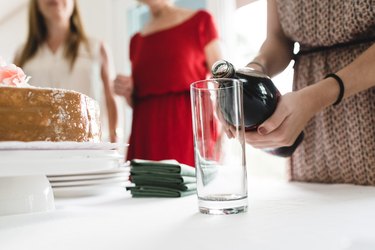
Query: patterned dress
<point>339,144</point>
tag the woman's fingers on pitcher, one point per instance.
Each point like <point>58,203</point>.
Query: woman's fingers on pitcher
<point>228,131</point>
<point>274,121</point>
<point>231,131</point>
<point>277,138</point>
<point>264,143</point>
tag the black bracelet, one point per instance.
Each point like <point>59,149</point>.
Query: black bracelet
<point>341,85</point>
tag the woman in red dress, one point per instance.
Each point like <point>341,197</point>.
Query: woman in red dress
<point>177,47</point>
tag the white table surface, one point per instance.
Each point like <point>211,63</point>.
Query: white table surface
<point>281,215</point>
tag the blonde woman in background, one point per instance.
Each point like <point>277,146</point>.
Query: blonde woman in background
<point>58,54</point>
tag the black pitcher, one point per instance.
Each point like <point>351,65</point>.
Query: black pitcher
<point>260,98</point>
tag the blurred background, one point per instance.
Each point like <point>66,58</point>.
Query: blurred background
<point>242,27</point>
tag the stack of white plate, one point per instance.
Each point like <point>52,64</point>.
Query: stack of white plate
<point>90,183</point>
<point>73,168</point>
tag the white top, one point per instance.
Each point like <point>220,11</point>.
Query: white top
<point>48,69</point>
<point>281,215</point>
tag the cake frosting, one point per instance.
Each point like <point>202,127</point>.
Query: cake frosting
<point>44,114</point>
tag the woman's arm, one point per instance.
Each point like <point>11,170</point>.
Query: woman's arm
<point>360,74</point>
<point>109,97</point>
<point>277,50</point>
<point>297,108</point>
<point>213,52</point>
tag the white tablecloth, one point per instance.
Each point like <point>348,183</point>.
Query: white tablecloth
<point>281,215</point>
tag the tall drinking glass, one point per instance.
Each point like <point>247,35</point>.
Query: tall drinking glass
<point>219,145</point>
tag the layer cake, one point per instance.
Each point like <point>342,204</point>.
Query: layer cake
<point>40,114</point>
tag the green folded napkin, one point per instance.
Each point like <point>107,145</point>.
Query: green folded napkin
<point>182,186</point>
<point>153,191</point>
<point>160,178</point>
<point>161,167</point>
<point>167,178</point>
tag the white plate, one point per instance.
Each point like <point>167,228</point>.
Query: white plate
<point>111,173</point>
<point>89,182</point>
<point>89,190</point>
<point>56,167</point>
<point>57,162</point>
<point>46,145</point>
<point>45,155</point>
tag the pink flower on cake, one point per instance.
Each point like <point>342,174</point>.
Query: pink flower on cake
<point>12,76</point>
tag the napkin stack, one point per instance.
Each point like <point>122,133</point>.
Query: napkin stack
<point>167,178</point>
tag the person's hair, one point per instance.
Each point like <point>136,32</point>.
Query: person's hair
<point>38,34</point>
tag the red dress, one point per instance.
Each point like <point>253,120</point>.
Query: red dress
<point>164,64</point>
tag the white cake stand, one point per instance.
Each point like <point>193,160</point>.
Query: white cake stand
<point>24,187</point>
<point>25,194</point>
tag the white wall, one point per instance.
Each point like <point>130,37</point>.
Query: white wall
<point>106,20</point>
<point>13,30</point>
<point>223,12</point>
